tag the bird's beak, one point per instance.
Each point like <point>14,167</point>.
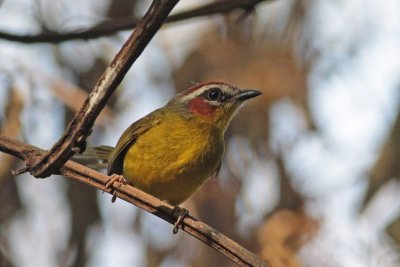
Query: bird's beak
<point>245,94</point>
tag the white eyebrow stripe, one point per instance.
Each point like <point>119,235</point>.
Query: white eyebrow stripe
<point>198,92</point>
<point>192,95</point>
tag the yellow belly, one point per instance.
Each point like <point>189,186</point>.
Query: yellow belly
<point>172,161</point>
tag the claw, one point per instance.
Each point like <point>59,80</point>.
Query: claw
<point>114,196</point>
<point>115,178</point>
<point>182,214</point>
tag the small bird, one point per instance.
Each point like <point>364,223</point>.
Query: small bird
<point>170,152</point>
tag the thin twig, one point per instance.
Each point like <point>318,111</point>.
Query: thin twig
<point>80,127</point>
<point>110,27</point>
<point>192,226</point>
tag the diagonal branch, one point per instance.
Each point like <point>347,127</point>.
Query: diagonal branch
<point>112,26</point>
<point>192,226</point>
<point>81,125</point>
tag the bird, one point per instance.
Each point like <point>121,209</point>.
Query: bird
<point>171,152</point>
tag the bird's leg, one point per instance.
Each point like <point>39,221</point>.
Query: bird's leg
<point>115,178</point>
<point>182,213</point>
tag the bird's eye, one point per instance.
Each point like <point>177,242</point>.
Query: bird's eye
<point>214,94</point>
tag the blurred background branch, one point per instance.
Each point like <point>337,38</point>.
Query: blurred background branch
<point>110,27</point>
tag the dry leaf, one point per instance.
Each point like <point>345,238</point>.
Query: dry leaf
<point>283,234</point>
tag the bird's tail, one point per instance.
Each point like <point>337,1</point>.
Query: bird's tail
<point>95,157</point>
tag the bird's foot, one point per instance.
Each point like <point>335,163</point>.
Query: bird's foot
<point>182,213</point>
<point>115,178</point>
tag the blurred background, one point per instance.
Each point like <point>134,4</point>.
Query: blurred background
<point>311,171</point>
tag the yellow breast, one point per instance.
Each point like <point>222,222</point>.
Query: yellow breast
<point>173,159</point>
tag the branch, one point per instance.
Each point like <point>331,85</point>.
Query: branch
<point>80,126</point>
<point>192,226</point>
<point>112,26</point>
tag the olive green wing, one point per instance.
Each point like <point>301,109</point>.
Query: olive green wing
<point>128,138</point>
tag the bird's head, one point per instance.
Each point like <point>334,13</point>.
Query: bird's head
<point>213,102</point>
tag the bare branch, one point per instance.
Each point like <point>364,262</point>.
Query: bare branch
<point>80,127</point>
<point>191,225</point>
<point>112,26</point>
